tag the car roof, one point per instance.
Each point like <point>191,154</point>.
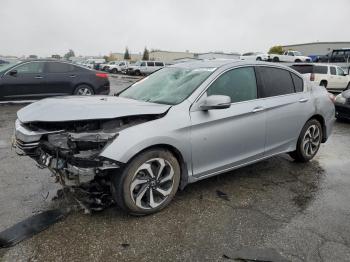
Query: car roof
<point>217,63</point>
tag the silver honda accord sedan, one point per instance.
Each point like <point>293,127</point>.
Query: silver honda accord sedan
<point>179,125</point>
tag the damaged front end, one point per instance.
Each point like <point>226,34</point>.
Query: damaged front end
<point>71,150</point>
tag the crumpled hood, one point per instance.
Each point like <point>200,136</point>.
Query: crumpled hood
<point>70,108</point>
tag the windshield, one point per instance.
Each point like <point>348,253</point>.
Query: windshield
<point>5,66</point>
<point>168,86</point>
<point>137,63</point>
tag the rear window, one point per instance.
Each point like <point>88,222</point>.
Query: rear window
<point>308,69</point>
<point>56,67</point>
<point>275,81</point>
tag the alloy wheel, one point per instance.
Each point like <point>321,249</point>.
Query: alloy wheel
<point>84,91</point>
<point>311,140</point>
<point>152,183</point>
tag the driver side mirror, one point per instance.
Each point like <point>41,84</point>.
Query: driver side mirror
<point>215,102</point>
<point>13,73</point>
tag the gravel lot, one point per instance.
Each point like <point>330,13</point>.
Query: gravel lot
<point>300,210</point>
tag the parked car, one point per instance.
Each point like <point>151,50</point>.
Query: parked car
<point>145,67</point>
<point>103,66</point>
<point>336,56</point>
<point>342,105</point>
<point>94,63</point>
<point>181,124</point>
<point>290,56</point>
<point>37,79</point>
<point>332,77</point>
<point>118,67</point>
<point>258,56</point>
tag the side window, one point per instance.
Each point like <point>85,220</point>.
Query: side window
<point>298,83</point>
<point>122,64</point>
<point>239,84</point>
<point>340,72</point>
<point>31,68</point>
<point>143,64</point>
<point>275,81</point>
<point>159,64</point>
<point>333,72</point>
<point>56,67</point>
<point>150,63</point>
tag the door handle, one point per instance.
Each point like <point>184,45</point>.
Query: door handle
<point>38,77</point>
<point>258,109</point>
<point>72,76</point>
<point>303,100</point>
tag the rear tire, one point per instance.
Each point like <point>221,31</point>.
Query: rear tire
<point>347,87</point>
<point>137,73</point>
<point>114,70</point>
<point>258,59</point>
<point>323,83</point>
<point>84,90</point>
<point>148,183</point>
<point>276,59</point>
<point>309,141</point>
<point>297,61</point>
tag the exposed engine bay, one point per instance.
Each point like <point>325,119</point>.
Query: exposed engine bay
<point>70,150</point>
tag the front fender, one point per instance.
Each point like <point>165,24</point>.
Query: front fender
<point>172,130</point>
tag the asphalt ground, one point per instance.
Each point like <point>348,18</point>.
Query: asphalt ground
<point>300,210</point>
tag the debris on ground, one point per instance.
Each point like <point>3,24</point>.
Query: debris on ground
<point>93,196</point>
<point>30,226</point>
<point>248,254</point>
<point>222,195</point>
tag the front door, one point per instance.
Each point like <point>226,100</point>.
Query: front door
<point>224,138</point>
<point>24,82</point>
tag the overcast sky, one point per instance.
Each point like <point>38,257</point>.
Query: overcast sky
<point>91,27</point>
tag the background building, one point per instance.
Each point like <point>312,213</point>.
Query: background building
<point>120,57</point>
<point>217,55</point>
<point>317,48</point>
<point>169,56</point>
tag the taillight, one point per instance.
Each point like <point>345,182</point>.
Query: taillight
<point>312,77</point>
<point>102,75</point>
<point>331,97</point>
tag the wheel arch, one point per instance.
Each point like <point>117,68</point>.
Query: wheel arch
<point>80,84</point>
<point>177,154</point>
<point>322,121</point>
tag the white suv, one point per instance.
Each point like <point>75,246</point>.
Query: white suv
<point>333,77</point>
<point>145,67</point>
<point>118,67</point>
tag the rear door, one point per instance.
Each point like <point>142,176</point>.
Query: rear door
<point>150,67</point>
<point>223,138</point>
<point>342,78</point>
<point>286,106</point>
<point>27,83</point>
<point>333,81</point>
<point>59,78</point>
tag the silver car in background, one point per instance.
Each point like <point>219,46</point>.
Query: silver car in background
<point>179,125</point>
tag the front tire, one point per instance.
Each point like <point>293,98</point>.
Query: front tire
<point>148,183</point>
<point>276,59</point>
<point>258,58</point>
<point>114,70</point>
<point>297,61</point>
<point>309,141</point>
